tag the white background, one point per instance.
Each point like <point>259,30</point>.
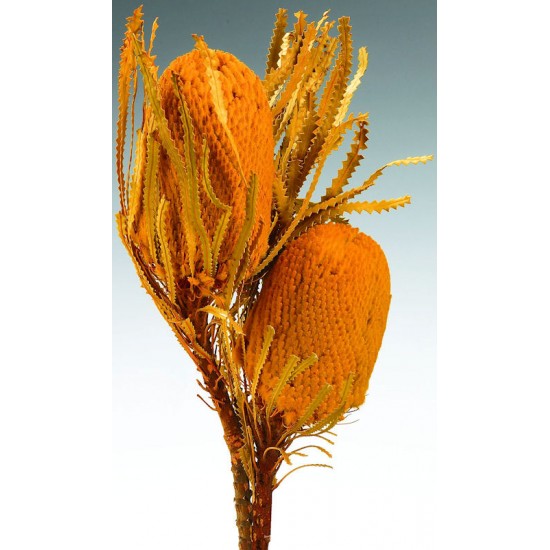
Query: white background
<point>492,410</point>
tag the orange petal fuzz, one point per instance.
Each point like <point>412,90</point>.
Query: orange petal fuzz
<point>250,122</point>
<point>328,293</point>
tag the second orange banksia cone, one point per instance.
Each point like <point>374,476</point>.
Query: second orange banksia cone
<point>328,294</point>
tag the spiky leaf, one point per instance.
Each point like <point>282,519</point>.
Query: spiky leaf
<point>276,40</point>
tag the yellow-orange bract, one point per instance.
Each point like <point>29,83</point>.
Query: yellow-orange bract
<point>249,121</point>
<point>328,293</point>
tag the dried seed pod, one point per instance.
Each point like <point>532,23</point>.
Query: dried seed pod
<point>249,121</point>
<point>328,293</point>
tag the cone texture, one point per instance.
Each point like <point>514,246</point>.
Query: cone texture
<point>250,122</point>
<point>329,294</point>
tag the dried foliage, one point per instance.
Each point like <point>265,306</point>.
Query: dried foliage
<point>281,304</point>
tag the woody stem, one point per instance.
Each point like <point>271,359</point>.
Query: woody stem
<point>243,506</point>
<point>233,438</point>
<point>262,503</point>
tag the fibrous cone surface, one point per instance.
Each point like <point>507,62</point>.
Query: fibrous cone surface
<point>250,123</point>
<point>329,294</point>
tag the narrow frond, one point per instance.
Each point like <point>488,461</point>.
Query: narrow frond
<point>318,447</point>
<point>151,193</point>
<point>351,162</point>
<point>283,379</point>
<point>218,100</point>
<point>191,172</point>
<point>223,223</point>
<point>276,40</point>
<point>281,198</point>
<point>165,247</point>
<point>154,28</point>
<point>302,366</point>
<point>373,206</point>
<point>239,250</point>
<point>268,338</point>
<point>148,71</point>
<point>135,192</point>
<point>224,316</point>
<point>312,407</point>
<point>126,69</point>
<point>353,85</point>
<point>189,331</point>
<point>329,421</point>
<point>411,160</point>
<point>337,84</point>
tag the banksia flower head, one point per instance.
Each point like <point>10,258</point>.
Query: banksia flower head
<point>328,294</point>
<point>246,148</point>
<point>281,304</point>
<point>199,207</point>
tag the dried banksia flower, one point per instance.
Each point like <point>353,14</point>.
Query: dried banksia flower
<point>200,199</point>
<point>246,149</point>
<point>280,303</point>
<point>328,294</point>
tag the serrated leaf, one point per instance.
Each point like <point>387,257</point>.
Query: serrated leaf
<point>354,84</point>
<point>279,193</point>
<point>303,366</point>
<point>165,247</point>
<point>269,333</point>
<point>191,179</point>
<point>299,73</point>
<point>298,369</point>
<point>312,407</point>
<point>329,145</point>
<point>346,196</point>
<point>223,222</point>
<point>329,421</point>
<point>223,315</point>
<point>149,284</point>
<point>373,206</point>
<point>301,22</point>
<point>148,71</point>
<point>189,331</point>
<point>127,66</point>
<point>330,103</point>
<point>303,120</point>
<point>248,465</point>
<point>275,80</point>
<point>289,367</point>
<point>325,210</point>
<point>321,21</point>
<point>151,193</point>
<point>244,236</point>
<point>216,92</point>
<point>154,28</point>
<point>136,185</point>
<point>323,145</point>
<point>350,163</point>
<point>132,122</point>
<point>276,40</point>
<point>337,84</point>
<point>411,160</point>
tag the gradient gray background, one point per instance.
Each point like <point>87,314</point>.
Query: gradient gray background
<point>171,474</point>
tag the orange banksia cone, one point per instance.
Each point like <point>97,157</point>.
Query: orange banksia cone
<point>249,122</point>
<point>201,206</point>
<point>328,294</point>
